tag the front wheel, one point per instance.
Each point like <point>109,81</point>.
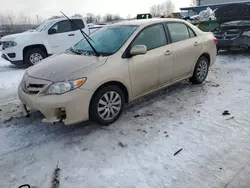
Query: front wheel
<point>33,56</point>
<point>107,105</point>
<point>200,71</point>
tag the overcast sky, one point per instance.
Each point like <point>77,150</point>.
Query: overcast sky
<point>47,8</point>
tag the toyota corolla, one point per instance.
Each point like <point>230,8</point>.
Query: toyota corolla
<point>117,64</point>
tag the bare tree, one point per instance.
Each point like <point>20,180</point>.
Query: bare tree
<point>116,17</point>
<point>55,17</point>
<point>108,18</point>
<point>98,19</point>
<point>77,16</point>
<point>90,18</point>
<point>163,9</point>
<point>15,24</point>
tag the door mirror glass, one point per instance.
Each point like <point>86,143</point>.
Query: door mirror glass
<point>138,50</point>
<point>52,31</point>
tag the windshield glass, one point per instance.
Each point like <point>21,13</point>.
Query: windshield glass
<point>107,40</point>
<point>237,23</point>
<point>42,26</point>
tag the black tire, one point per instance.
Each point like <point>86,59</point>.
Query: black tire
<point>93,110</point>
<point>196,79</point>
<point>32,51</point>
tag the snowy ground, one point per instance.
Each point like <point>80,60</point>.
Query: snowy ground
<point>9,79</point>
<point>215,148</point>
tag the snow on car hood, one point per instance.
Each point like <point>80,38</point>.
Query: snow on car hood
<point>233,12</point>
<point>20,36</point>
<point>65,66</point>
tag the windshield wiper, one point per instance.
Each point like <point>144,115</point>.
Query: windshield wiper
<point>75,51</point>
<point>83,34</point>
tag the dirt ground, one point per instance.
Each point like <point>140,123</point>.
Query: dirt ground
<point>138,150</point>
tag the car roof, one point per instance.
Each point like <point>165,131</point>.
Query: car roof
<point>62,19</point>
<point>142,22</point>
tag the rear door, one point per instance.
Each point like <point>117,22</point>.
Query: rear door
<point>186,47</point>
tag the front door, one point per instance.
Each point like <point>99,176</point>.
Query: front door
<point>186,47</point>
<point>144,69</point>
<point>62,36</point>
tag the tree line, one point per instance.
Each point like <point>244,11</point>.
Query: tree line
<point>19,23</point>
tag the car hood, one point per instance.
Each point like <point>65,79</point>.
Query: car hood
<point>18,36</point>
<point>233,12</point>
<point>65,66</point>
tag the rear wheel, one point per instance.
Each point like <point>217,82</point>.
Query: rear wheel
<point>200,71</point>
<point>33,56</point>
<point>107,105</point>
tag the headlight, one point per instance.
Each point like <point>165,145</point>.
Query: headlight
<point>8,44</point>
<point>63,87</point>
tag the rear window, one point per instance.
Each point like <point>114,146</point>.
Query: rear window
<point>178,31</point>
<point>79,24</point>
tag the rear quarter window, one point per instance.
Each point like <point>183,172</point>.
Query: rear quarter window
<point>179,32</point>
<point>77,23</point>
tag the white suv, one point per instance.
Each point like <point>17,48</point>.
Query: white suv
<point>53,36</point>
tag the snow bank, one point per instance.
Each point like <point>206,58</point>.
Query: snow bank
<point>9,79</point>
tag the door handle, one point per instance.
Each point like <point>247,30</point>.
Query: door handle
<point>168,52</point>
<point>196,44</point>
<point>71,35</point>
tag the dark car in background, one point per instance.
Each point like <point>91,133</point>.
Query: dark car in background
<point>234,27</point>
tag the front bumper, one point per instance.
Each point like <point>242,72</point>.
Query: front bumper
<point>75,103</point>
<point>239,42</point>
<point>13,62</point>
<point>13,54</point>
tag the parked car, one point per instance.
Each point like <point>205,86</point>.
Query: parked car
<point>128,60</point>
<point>234,29</point>
<point>53,36</point>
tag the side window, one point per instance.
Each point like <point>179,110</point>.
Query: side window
<point>153,37</point>
<point>79,23</point>
<point>60,27</point>
<point>178,31</point>
<point>191,33</point>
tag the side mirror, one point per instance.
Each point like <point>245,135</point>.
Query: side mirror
<point>138,50</point>
<point>52,31</point>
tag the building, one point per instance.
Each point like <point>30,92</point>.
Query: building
<point>209,2</point>
<point>213,4</point>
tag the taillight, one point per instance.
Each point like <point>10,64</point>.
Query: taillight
<point>215,41</point>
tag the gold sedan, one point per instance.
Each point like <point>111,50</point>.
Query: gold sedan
<point>127,60</point>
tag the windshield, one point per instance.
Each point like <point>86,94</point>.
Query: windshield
<point>43,26</point>
<point>237,23</point>
<point>107,40</point>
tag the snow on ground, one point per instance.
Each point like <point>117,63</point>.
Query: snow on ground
<point>215,148</point>
<point>9,79</point>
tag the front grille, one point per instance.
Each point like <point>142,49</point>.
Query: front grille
<point>227,35</point>
<point>33,86</point>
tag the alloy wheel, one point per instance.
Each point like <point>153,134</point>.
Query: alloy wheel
<point>109,105</point>
<point>202,70</point>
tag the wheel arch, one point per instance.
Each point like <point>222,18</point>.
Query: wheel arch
<point>40,46</point>
<point>206,55</point>
<point>115,83</point>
